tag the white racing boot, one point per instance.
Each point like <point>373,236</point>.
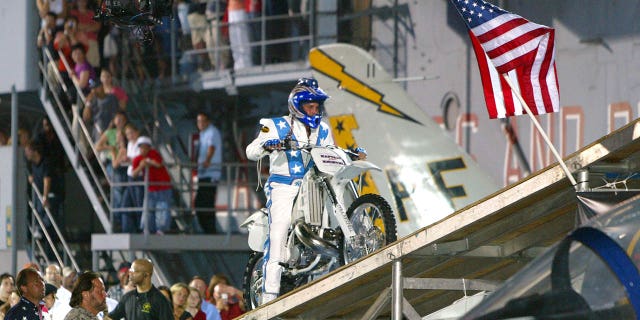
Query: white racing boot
<point>268,297</point>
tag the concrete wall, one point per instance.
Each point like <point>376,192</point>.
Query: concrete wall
<point>19,23</point>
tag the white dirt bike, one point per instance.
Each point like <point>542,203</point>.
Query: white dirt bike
<point>331,223</point>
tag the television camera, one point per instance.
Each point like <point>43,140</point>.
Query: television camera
<point>139,15</point>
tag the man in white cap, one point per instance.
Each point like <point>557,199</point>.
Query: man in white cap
<point>149,162</point>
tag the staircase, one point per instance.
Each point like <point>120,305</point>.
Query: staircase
<point>178,257</point>
<point>63,126</point>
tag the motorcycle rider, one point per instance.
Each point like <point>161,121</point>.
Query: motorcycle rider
<point>303,126</point>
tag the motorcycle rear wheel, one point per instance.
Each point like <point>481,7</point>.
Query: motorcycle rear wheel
<point>252,280</point>
<point>372,218</point>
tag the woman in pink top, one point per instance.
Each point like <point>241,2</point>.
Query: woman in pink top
<point>82,71</point>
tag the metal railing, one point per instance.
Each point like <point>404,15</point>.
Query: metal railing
<point>41,224</point>
<point>184,210</point>
<point>301,27</point>
<point>70,141</point>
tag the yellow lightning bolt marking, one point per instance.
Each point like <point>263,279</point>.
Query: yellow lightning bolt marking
<point>330,67</point>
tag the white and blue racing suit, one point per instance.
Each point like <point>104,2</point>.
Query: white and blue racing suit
<point>286,170</point>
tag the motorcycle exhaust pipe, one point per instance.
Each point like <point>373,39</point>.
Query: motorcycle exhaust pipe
<point>311,240</point>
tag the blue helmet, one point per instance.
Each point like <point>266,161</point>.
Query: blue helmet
<point>306,90</point>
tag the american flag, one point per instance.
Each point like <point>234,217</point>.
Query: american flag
<point>507,43</point>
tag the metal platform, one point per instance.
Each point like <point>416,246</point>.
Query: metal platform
<point>474,248</point>
<point>177,257</point>
<point>172,242</point>
<point>229,80</point>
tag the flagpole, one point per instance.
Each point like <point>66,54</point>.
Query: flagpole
<point>542,132</point>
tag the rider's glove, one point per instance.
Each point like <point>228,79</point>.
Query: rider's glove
<point>360,150</point>
<point>271,144</point>
<point>356,153</point>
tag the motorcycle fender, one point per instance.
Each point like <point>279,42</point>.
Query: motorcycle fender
<point>355,169</point>
<point>258,226</point>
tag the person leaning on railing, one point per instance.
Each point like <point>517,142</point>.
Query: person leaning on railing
<point>62,43</point>
<point>47,31</point>
<point>133,194</point>
<point>217,35</point>
<point>82,72</point>
<point>85,12</point>
<point>106,77</point>
<point>149,162</point>
<point>59,7</point>
<point>198,25</point>
<point>110,144</point>
<point>99,109</point>
<point>209,172</point>
<point>48,184</point>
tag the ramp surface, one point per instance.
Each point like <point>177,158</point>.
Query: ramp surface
<point>488,240</point>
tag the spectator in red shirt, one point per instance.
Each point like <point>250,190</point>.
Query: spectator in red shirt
<point>67,38</point>
<point>194,301</point>
<point>229,301</point>
<point>84,12</point>
<point>158,218</point>
<point>64,40</point>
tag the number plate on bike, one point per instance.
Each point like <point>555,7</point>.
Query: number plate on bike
<point>329,160</point>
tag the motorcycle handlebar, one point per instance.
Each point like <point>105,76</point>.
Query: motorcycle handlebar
<point>290,144</point>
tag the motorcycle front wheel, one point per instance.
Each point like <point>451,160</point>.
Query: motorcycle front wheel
<point>374,225</point>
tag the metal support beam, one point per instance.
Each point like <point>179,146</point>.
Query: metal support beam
<point>140,242</point>
<point>449,284</point>
<point>409,311</point>
<point>448,248</point>
<point>583,180</point>
<point>14,182</point>
<point>95,260</point>
<point>396,291</point>
<point>487,252</point>
<point>381,302</point>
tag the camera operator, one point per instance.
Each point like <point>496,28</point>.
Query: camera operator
<point>229,301</point>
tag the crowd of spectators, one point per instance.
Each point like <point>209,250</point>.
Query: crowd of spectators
<point>62,293</point>
<point>88,55</point>
<point>210,34</point>
<point>127,157</point>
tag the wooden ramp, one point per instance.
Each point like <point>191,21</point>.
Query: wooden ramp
<point>474,248</point>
